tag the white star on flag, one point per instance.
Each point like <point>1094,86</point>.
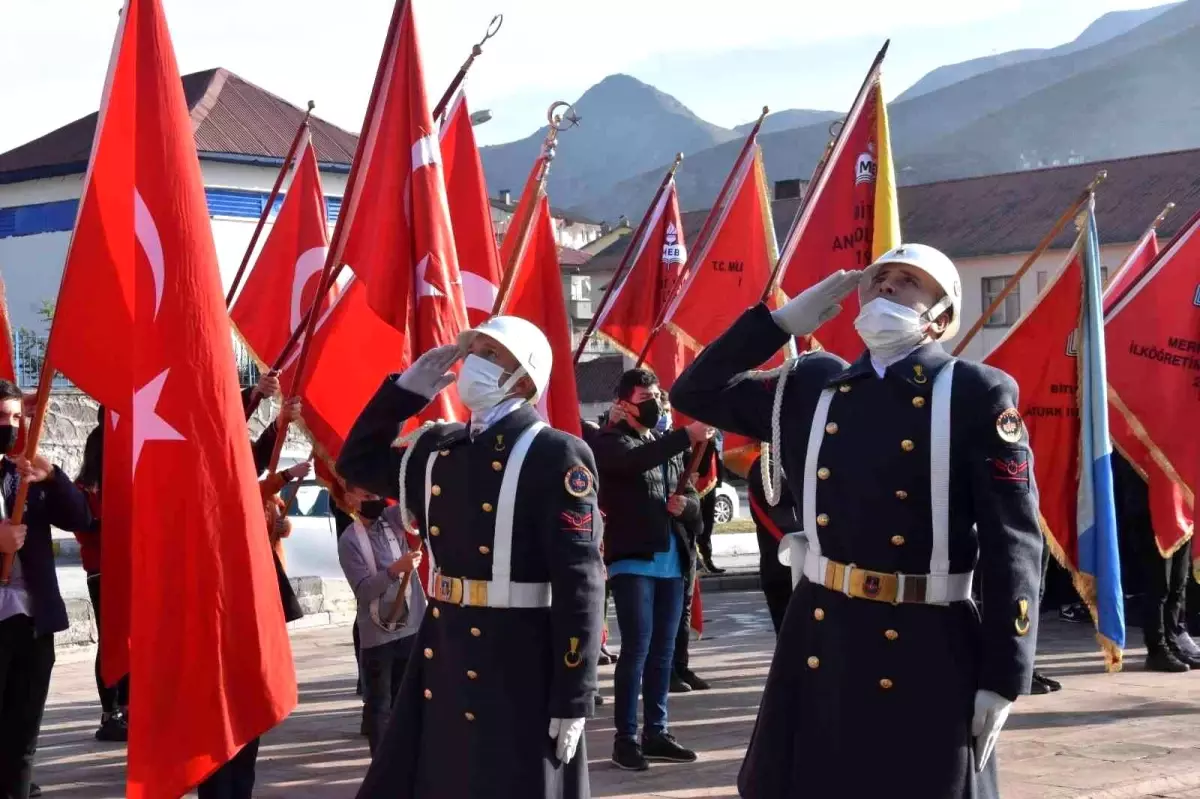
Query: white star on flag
<point>147,424</point>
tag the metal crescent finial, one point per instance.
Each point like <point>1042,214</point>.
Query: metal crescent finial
<point>493,28</point>
<point>565,121</point>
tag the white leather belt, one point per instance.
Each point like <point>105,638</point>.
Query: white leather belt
<point>483,593</point>
<point>896,588</point>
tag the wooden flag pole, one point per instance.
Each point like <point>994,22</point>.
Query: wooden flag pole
<point>558,122</point>
<point>1042,246</point>
<point>626,257</point>
<point>702,238</point>
<point>476,51</point>
<point>262,219</point>
<point>32,435</point>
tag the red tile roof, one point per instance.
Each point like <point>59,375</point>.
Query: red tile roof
<point>229,114</point>
<point>569,256</point>
<point>596,380</point>
<point>1009,213</point>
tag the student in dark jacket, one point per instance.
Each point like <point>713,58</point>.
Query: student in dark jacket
<point>31,607</point>
<point>645,546</point>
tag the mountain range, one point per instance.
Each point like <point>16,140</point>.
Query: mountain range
<point>1119,89</point>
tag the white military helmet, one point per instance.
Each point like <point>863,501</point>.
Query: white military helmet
<point>932,262</point>
<point>524,340</point>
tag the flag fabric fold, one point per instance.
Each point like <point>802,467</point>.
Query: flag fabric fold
<point>1056,355</point>
<point>282,286</point>
<point>140,324</point>
<point>470,213</point>
<point>1153,332</point>
<point>850,219</point>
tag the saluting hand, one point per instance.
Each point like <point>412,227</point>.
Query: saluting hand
<point>817,304</point>
<point>430,373</point>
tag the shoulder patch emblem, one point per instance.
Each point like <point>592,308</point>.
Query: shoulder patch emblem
<point>579,481</point>
<point>1009,426</point>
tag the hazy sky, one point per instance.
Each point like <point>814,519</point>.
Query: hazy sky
<point>722,60</point>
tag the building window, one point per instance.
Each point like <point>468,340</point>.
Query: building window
<point>1006,315</point>
<point>1042,279</point>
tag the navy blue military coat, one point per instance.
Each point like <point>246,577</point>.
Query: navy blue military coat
<point>472,716</point>
<point>857,683</point>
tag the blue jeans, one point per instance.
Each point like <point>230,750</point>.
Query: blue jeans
<point>648,611</point>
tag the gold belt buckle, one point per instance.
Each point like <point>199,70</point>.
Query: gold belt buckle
<point>874,585</point>
<point>475,593</point>
<point>449,589</point>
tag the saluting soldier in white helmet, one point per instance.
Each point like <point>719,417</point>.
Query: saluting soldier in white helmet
<point>912,472</point>
<point>503,670</point>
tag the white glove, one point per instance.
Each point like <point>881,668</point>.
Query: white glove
<point>991,711</point>
<point>431,372</point>
<point>817,304</point>
<point>567,732</point>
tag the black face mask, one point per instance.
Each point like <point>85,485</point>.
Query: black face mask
<point>372,508</point>
<point>649,412</point>
<point>8,437</point>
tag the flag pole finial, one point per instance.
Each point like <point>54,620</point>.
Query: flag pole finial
<point>1158,220</point>
<point>1101,176</point>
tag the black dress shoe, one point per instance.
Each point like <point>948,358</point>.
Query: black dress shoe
<point>1185,649</point>
<point>34,790</point>
<point>1044,685</point>
<point>678,685</point>
<point>599,700</point>
<point>712,568</point>
<point>628,755</point>
<point>696,683</point>
<point>1163,660</point>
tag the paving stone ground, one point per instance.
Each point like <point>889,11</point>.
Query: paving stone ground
<point>1105,736</point>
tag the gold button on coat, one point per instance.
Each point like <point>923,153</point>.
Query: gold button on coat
<point>918,402</point>
<point>885,683</point>
<point>472,675</point>
<point>428,654</point>
<point>897,540</point>
<point>844,388</point>
<point>818,613</point>
<point>469,716</point>
<point>823,473</point>
<point>436,491</point>
<point>475,631</point>
<point>435,530</point>
<point>831,428</point>
<point>823,520</point>
<point>891,635</point>
<point>901,494</point>
<point>437,614</point>
<point>907,445</point>
<point>814,662</point>
<point>487,507</point>
<point>428,694</point>
<point>484,550</point>
<point>497,466</point>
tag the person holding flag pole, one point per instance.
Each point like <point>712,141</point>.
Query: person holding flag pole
<point>911,470</point>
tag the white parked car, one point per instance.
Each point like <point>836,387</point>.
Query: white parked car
<point>728,506</point>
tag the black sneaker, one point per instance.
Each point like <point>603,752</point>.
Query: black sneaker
<point>1076,613</point>
<point>628,755</point>
<point>678,685</point>
<point>34,790</point>
<point>599,700</point>
<point>606,658</point>
<point>696,683</point>
<point>663,747</point>
<point>1163,660</point>
<point>113,729</point>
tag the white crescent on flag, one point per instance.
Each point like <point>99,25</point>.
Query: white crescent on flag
<point>309,263</point>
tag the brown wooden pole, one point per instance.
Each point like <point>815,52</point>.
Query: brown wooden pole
<point>262,219</point>
<point>1042,246</point>
<point>626,257</point>
<point>32,436</point>
<point>702,239</point>
<point>476,51</point>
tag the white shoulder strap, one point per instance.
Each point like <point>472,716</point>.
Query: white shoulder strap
<point>364,546</point>
<point>500,591</point>
<point>939,486</point>
<point>815,438</point>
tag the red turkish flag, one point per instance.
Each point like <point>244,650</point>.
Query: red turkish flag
<point>283,284</point>
<point>728,273</point>
<point>839,228</point>
<point>1153,348</point>
<point>636,304</point>
<point>142,277</point>
<point>1039,353</point>
<point>537,295</point>
<point>398,238</point>
<point>7,369</point>
<point>1138,260</point>
<point>470,213</point>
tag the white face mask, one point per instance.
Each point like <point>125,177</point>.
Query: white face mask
<point>890,329</point>
<point>479,384</point>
